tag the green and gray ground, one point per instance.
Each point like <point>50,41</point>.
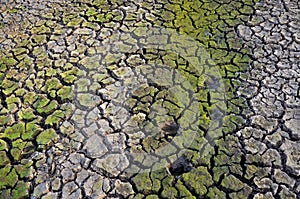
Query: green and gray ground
<point>88,88</point>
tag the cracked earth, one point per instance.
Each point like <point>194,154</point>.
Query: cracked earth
<point>149,99</point>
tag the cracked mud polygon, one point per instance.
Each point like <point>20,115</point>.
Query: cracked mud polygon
<point>149,99</point>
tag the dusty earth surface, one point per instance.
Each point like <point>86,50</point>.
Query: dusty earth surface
<point>149,99</point>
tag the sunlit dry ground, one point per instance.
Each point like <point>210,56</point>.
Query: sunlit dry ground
<point>149,99</point>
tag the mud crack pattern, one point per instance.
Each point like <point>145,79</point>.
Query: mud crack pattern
<point>149,99</point>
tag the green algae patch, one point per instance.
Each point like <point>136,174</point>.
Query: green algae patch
<point>168,191</point>
<point>87,99</point>
<point>216,193</point>
<point>45,137</point>
<point>183,191</point>
<point>152,197</point>
<point>91,62</point>
<point>75,22</point>
<point>40,30</point>
<point>3,145</point>
<point>91,11</point>
<point>52,84</point>
<point>24,169</point>
<point>199,179</point>
<point>41,102</point>
<point>31,130</point>
<point>7,61</point>
<point>5,120</point>
<point>14,10</point>
<point>19,148</point>
<point>70,75</point>
<point>55,118</point>
<point>19,51</point>
<point>144,182</point>
<point>48,109</point>
<point>8,177</point>
<point>212,25</point>
<point>14,132</point>
<point>12,103</point>
<point>65,93</point>
<point>39,39</point>
<point>3,158</point>
<point>232,183</point>
<point>27,114</point>
<point>21,190</point>
<point>103,17</point>
<point>8,86</point>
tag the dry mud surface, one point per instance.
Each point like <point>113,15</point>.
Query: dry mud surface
<point>149,99</point>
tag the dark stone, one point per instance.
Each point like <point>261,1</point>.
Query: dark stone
<point>170,128</point>
<point>180,166</point>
